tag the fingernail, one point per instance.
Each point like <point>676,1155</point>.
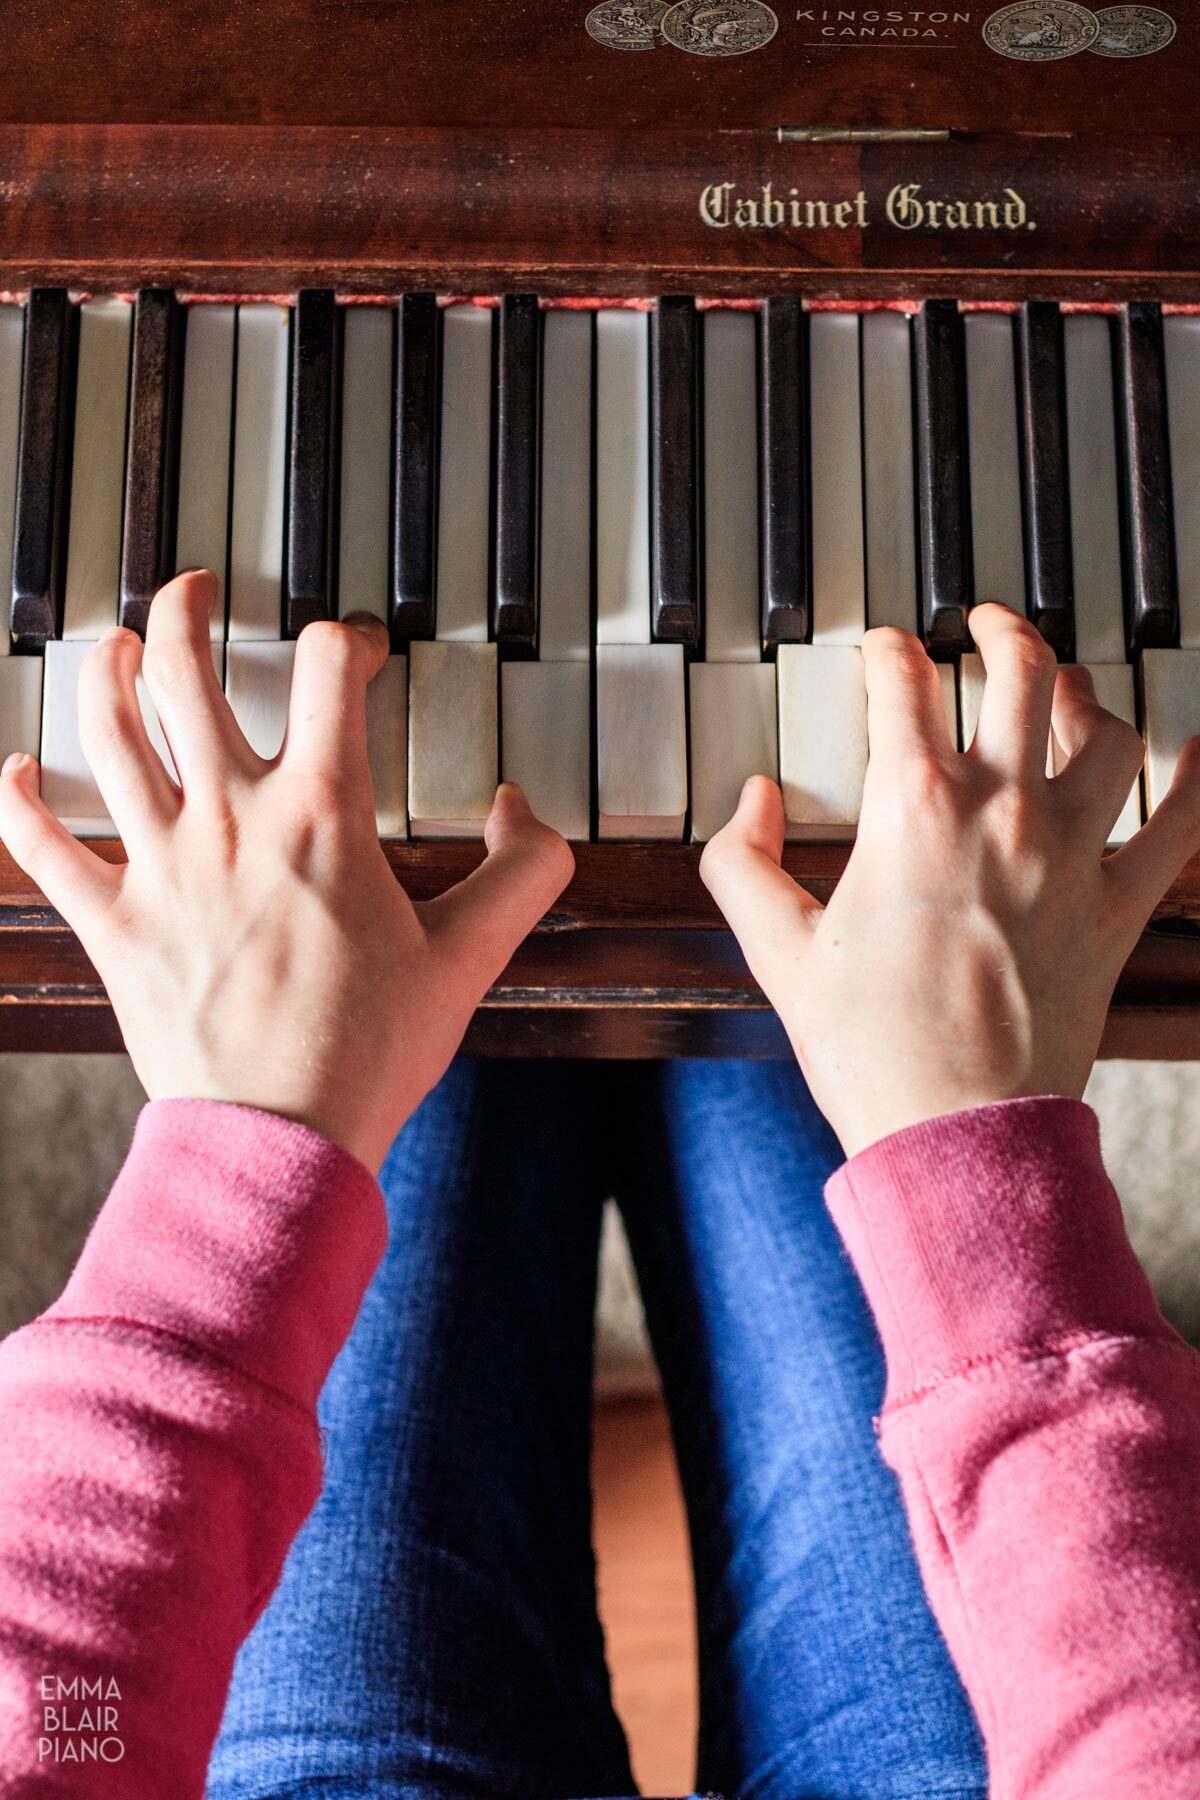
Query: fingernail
<point>364,621</point>
<point>111,633</point>
<point>13,763</point>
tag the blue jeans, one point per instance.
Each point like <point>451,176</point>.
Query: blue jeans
<point>435,1631</point>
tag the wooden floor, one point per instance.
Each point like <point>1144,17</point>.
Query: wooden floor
<point>645,1587</point>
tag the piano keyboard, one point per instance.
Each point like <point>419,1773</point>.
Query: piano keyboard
<point>626,557</point>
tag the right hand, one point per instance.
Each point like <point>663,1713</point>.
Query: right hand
<point>256,946</point>
<point>971,948</point>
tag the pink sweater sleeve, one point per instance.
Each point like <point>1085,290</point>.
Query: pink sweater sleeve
<point>1045,1425</point>
<point>159,1445</point>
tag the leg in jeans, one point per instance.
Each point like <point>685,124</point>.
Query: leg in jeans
<point>435,1630</point>
<point>822,1670</point>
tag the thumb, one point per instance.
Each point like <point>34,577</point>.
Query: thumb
<point>479,923</point>
<point>770,915</point>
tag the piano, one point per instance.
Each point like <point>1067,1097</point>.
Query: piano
<point>630,361</point>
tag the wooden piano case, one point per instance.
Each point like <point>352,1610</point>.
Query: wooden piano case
<point>855,153</point>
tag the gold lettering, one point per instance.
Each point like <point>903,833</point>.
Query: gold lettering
<point>714,203</point>
<point>1015,214</point>
<point>903,209</point>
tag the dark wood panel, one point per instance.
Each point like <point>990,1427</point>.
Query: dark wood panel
<point>268,210</point>
<point>388,62</point>
<point>632,966</point>
<point>615,886</point>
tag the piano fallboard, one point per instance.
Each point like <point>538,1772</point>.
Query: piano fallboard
<point>633,961</point>
<point>264,210</point>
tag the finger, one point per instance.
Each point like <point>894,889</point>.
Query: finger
<point>770,915</point>
<point>72,877</point>
<point>137,791</point>
<point>480,923</point>
<point>1142,870</point>
<point>327,715</point>
<point>1018,694</point>
<point>905,712</point>
<point>177,666</point>
<point>1103,753</point>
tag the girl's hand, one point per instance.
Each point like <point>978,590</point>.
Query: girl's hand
<point>970,950</point>
<point>256,946</point>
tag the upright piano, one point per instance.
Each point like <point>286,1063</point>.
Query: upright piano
<point>630,360</point>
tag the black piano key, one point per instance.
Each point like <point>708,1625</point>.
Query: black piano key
<point>152,458</point>
<point>943,491</point>
<point>43,466</point>
<point>515,597</point>
<point>1042,421</point>
<point>674,506</point>
<point>312,462</point>
<point>1152,600</point>
<point>414,548</point>
<point>784,475</point>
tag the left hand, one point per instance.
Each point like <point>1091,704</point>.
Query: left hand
<point>256,946</point>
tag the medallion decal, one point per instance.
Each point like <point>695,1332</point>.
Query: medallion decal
<point>719,27</point>
<point>1133,31</point>
<point>1042,30</point>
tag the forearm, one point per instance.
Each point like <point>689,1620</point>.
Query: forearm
<point>1045,1425</point>
<point>160,1447</point>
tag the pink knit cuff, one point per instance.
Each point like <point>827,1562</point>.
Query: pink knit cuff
<point>237,1231</point>
<point>987,1232</point>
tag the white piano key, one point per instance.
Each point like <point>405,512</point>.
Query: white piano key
<point>365,523</point>
<point>204,448</point>
<point>822,738</point>
<point>259,474</point>
<point>734,734</point>
<point>888,471</point>
<point>622,477</point>
<point>1170,683</point>
<point>545,739</point>
<point>93,580</point>
<point>387,746</point>
<point>996,529</point>
<point>12,345</point>
<point>948,681</point>
<point>465,472</point>
<point>835,449</point>
<point>732,625</point>
<point>1092,474</point>
<point>1181,334</point>
<point>641,741</point>
<point>564,626</point>
<point>452,738</point>
<point>154,729</point>
<point>68,785</point>
<point>1113,683</point>
<point>20,705</point>
<point>971,680</point>
<point>258,686</point>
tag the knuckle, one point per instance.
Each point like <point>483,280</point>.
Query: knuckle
<point>333,645</point>
<point>1126,740</point>
<point>32,843</point>
<point>1031,653</point>
<point>890,640</point>
<point>170,665</point>
<point>721,854</point>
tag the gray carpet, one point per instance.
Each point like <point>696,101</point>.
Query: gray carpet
<point>65,1123</point>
